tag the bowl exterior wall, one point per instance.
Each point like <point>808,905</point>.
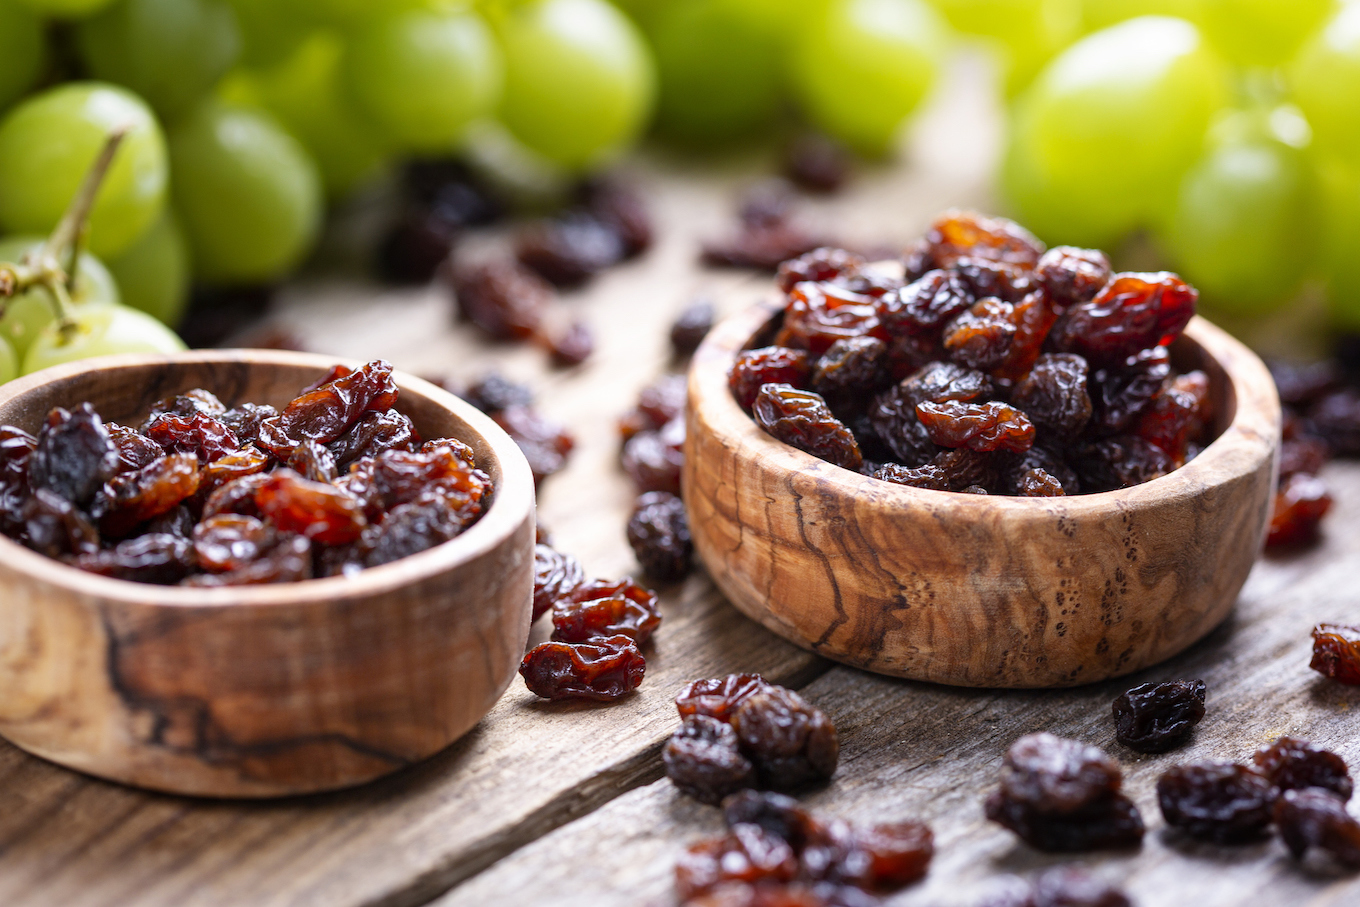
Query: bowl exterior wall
<point>976,590</point>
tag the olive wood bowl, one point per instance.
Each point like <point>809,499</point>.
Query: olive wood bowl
<point>976,590</point>
<point>272,690</point>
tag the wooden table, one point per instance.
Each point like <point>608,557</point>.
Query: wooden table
<point>566,804</point>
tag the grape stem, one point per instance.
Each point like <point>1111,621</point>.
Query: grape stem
<point>53,265</point>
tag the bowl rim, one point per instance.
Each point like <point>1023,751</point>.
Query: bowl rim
<point>1254,426</point>
<point>512,501</point>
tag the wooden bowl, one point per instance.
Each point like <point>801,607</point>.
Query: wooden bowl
<point>266,690</point>
<point>978,590</point>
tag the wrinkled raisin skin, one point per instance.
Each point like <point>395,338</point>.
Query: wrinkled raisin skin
<point>658,532</point>
<point>802,419</point>
<point>603,609</point>
<point>791,742</point>
<point>1216,801</point>
<point>1290,763</point>
<point>1315,817</point>
<point>602,669</point>
<point>1156,717</point>
<point>703,759</point>
<point>1336,652</point>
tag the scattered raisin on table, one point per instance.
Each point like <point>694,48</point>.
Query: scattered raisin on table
<point>544,442</point>
<point>1216,801</point>
<point>602,669</point>
<point>1317,818</point>
<point>768,235</point>
<point>1059,796</point>
<point>1291,763</point>
<point>691,326</point>
<point>1301,501</point>
<point>658,532</point>
<point>1336,652</point>
<point>601,608</point>
<point>556,576</point>
<point>817,162</point>
<point>572,346</point>
<point>704,760</point>
<point>501,297</point>
<point>1156,717</point>
<point>718,697</point>
<point>655,459</point>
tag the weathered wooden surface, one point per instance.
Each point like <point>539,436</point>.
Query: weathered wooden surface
<point>562,804</point>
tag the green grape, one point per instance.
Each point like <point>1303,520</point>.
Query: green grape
<point>1100,140</point>
<point>153,275</point>
<point>859,67</point>
<point>579,82</point>
<point>9,363</point>
<point>304,94</point>
<point>1242,227</point>
<point>65,9</point>
<point>27,313</point>
<point>718,70</point>
<point>1261,32</point>
<point>247,194</point>
<point>1026,51</point>
<point>171,52</point>
<point>1340,192</point>
<point>356,13</point>
<point>101,331</point>
<point>993,18</point>
<point>422,76</point>
<point>1326,83</point>
<point>1101,14</point>
<point>48,142</point>
<point>23,51</point>
<point>270,30</point>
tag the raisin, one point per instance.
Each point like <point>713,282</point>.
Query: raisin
<point>188,404</point>
<point>54,526</point>
<point>544,443</point>
<point>816,162</point>
<point>984,277</point>
<point>1301,384</point>
<point>449,185</point>
<point>718,697</point>
<point>621,207</point>
<point>1177,415</point>
<point>655,459</point>
<point>235,496</point>
<point>1133,312</point>
<point>556,576</point>
<point>179,522</point>
<point>1053,395</point>
<point>747,853</point>
<point>570,248</point>
<point>230,541</point>
<point>925,306</point>
<point>977,426</point>
<point>1062,886</point>
<point>1113,823</point>
<point>1336,652</point>
<point>1033,317</point>
<point>415,245</point>
<point>851,368</point>
<point>319,511</point>
<point>371,435</point>
<point>966,233</point>
<point>819,266</point>
<point>779,814</point>
<point>802,419</point>
<point>418,525</point>
<point>73,455</point>
<point>1316,817</point>
<point>239,463</point>
<point>928,476</point>
<point>572,346</point>
<point>1300,504</point>
<point>964,469</point>
<point>1120,462</point>
<point>658,404</point>
<point>200,434</point>
<point>327,412</point>
<point>602,669</point>
<point>691,326</point>
<point>396,477</point>
<point>941,381</point>
<point>790,742</point>
<point>880,857</point>
<point>245,420</point>
<point>1336,419</point>
<point>603,609</point>
<point>502,298</point>
<point>767,365</point>
<point>1119,394</point>
<point>1303,454</point>
<point>981,337</point>
<point>658,532</point>
<point>769,235</point>
<point>1036,483</point>
<point>704,760</point>
<point>1216,801</point>
<point>1290,763</point>
<point>819,314</point>
<point>132,498</point>
<point>1156,717</point>
<point>313,462</point>
<point>151,558</point>
<point>288,561</point>
<point>135,450</point>
<point>1072,276</point>
<point>1043,457</point>
<point>493,393</point>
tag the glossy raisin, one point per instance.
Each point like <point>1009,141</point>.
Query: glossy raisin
<point>984,277</point>
<point>1119,394</point>
<point>190,403</point>
<point>703,759</point>
<point>966,233</point>
<point>132,498</point>
<point>1036,483</point>
<point>1336,652</point>
<point>235,496</point>
<point>1317,818</point>
<point>1156,717</point>
<point>570,248</point>
<point>206,437</point>
<point>135,449</point>
<point>658,532</point>
<point>316,510</point>
<point>926,305</point>
<point>747,853</point>
<point>1072,276</point>
<point>606,609</point>
<point>151,558</point>
<point>73,455</point>
<point>791,742</point>
<point>655,459</point>
<point>1053,395</point>
<point>54,526</point>
<point>288,561</point>
<point>802,419</point>
<point>371,435</point>
<point>850,369</point>
<point>1133,312</point>
<point>981,337</point>
<point>819,266</point>
<point>502,297</point>
<point>601,669</point>
<point>556,576</point>
<point>416,526</point>
<point>1177,415</point>
<point>718,697</point>
<point>1119,462</point>
<point>312,461</point>
<point>239,463</point>
<point>768,365</point>
<point>819,314</point>
<point>494,392</point>
<point>245,420</point>
<point>1301,502</point>
<point>1290,763</point>
<point>1216,801</point>
<point>327,412</point>
<point>658,404</point>
<point>229,541</point>
<point>927,476</point>
<point>978,426</point>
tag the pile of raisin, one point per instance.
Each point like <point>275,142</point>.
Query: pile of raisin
<point>202,495</point>
<point>739,732</point>
<point>1299,788</point>
<point>1321,404</point>
<point>599,627</point>
<point>777,853</point>
<point>1336,652</point>
<point>1060,796</point>
<point>985,363</point>
<point>1156,717</point>
<point>653,435</point>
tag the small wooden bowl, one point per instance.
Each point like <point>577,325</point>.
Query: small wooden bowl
<point>267,690</point>
<point>975,590</point>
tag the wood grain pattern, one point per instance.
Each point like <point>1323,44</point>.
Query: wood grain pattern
<point>979,590</point>
<point>272,690</point>
<point>921,751</point>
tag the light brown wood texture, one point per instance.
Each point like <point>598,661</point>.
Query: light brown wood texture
<point>467,819</point>
<point>979,590</point>
<point>266,690</point>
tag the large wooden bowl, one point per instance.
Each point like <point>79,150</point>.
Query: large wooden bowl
<point>980,590</point>
<point>267,690</point>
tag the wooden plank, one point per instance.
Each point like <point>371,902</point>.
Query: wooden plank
<point>912,750</point>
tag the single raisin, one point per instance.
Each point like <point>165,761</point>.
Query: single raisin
<point>288,561</point>
<point>572,346</point>
<point>1053,395</point>
<point>73,455</point>
<point>1336,419</point>
<point>747,853</point>
<point>1072,276</point>
<point>556,576</point>
<point>570,248</point>
<point>1336,652</point>
<point>819,266</point>
<point>1036,483</point>
<point>658,532</point>
<point>150,558</point>
<point>415,526</point>
<point>493,393</point>
<point>850,369</point>
<point>981,337</point>
<point>659,403</point>
<point>767,365</point>
<point>317,510</point>
<point>1133,312</point>
<point>1156,717</point>
<point>502,298</point>
<point>977,426</point>
<point>984,277</point>
<point>601,669</point>
<point>718,697</point>
<point>956,234</point>
<point>1315,817</point>
<point>325,413</point>
<point>926,305</point>
<point>135,449</point>
<point>928,476</point>
<point>817,162</point>
<point>190,403</point>
<point>802,419</point>
<point>703,759</point>
<point>1111,823</point>
<point>206,437</point>
<point>230,541</point>
<point>1301,502</point>
<point>1216,801</point>
<point>1177,415</point>
<point>620,206</point>
<point>1119,394</point>
<point>371,435</point>
<point>603,609</point>
<point>1290,763</point>
<point>132,498</point>
<point>544,443</point>
<point>245,420</point>
<point>54,526</point>
<point>790,742</point>
<point>312,461</point>
<point>691,326</point>
<point>819,314</point>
